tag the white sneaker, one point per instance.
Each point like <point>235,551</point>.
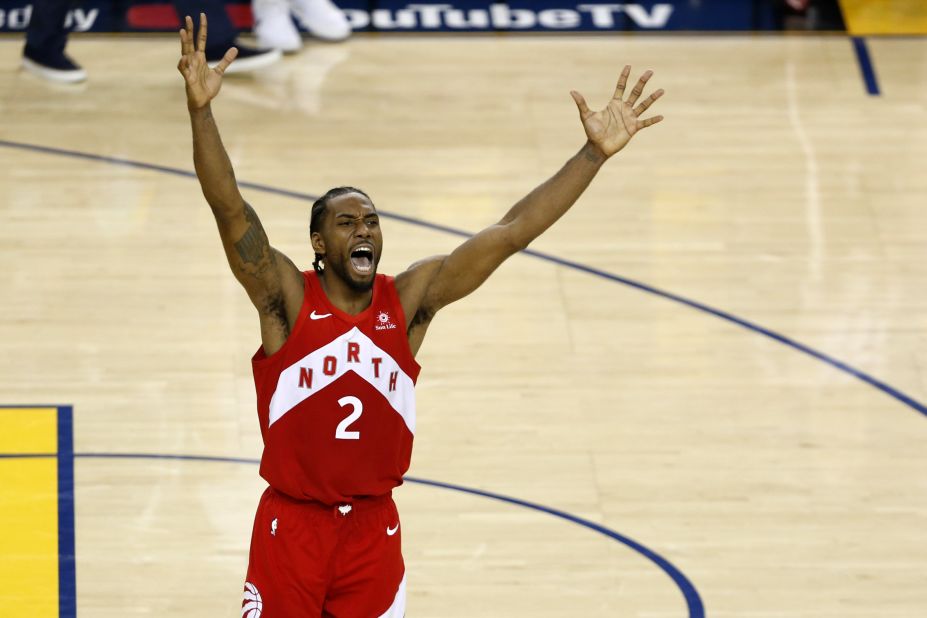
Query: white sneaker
<point>274,27</point>
<point>322,19</point>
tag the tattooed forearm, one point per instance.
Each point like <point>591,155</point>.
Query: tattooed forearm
<point>253,248</point>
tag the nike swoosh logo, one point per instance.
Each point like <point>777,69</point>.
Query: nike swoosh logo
<point>316,316</point>
<point>392,531</point>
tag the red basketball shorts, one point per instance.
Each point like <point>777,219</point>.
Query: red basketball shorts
<point>312,561</point>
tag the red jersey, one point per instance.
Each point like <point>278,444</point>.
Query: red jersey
<point>336,403</point>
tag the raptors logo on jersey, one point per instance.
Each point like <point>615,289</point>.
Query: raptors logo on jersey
<point>337,402</point>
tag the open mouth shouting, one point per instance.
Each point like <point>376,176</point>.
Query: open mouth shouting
<point>362,259</point>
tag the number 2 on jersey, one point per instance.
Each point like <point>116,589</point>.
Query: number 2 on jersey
<point>342,433</point>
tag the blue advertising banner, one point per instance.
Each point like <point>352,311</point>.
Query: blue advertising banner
<point>457,16</point>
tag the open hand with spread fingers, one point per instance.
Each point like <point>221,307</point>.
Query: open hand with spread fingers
<point>202,82</point>
<point>610,129</point>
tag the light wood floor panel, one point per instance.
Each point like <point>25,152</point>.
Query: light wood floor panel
<point>776,190</point>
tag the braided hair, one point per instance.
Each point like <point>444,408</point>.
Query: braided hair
<point>319,208</point>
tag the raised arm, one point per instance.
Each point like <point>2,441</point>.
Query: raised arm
<point>436,282</point>
<point>272,281</point>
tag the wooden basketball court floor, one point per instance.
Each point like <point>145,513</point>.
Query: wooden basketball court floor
<point>750,444</point>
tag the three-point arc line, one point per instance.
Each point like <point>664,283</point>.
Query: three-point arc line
<point>643,287</point>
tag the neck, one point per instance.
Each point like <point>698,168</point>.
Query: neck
<point>343,296</point>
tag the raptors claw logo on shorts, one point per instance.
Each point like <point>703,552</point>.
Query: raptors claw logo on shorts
<point>252,604</point>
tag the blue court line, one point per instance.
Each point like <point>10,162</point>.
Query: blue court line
<point>693,600</point>
<point>728,317</point>
<point>67,573</point>
<point>865,65</point>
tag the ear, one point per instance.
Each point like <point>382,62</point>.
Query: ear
<point>318,244</point>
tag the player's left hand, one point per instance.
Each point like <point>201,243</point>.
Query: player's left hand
<point>612,128</point>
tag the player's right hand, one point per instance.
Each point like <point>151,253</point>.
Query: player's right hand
<point>202,82</point>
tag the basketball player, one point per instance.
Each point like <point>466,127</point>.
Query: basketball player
<point>336,371</point>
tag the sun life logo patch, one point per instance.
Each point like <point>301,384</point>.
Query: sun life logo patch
<point>384,322</point>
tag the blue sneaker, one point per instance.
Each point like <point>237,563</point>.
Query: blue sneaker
<point>55,67</point>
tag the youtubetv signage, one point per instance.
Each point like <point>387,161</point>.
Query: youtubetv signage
<point>458,16</point>
<point>588,16</point>
<point>499,16</point>
<point>565,16</point>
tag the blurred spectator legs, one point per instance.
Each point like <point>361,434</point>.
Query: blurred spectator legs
<point>273,22</point>
<point>46,38</point>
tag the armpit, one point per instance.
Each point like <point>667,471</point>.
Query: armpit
<point>273,310</point>
<point>422,317</point>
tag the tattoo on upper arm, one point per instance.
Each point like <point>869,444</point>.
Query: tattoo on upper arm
<point>253,248</point>
<point>256,270</point>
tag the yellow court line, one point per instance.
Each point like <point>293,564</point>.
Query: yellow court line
<point>28,514</point>
<point>28,430</point>
<point>865,17</point>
